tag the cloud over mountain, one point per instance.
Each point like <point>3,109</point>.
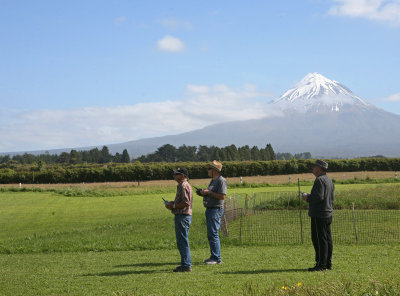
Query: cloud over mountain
<point>393,98</point>
<point>318,115</point>
<point>201,106</point>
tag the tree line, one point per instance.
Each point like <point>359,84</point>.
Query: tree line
<point>74,157</point>
<point>169,153</point>
<point>165,153</point>
<point>138,171</point>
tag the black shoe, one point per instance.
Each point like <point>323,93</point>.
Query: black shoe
<point>183,269</point>
<point>317,268</point>
<point>329,267</point>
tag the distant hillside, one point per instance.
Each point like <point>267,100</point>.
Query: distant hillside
<point>321,116</point>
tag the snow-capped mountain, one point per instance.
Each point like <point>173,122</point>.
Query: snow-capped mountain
<point>316,93</point>
<point>319,115</point>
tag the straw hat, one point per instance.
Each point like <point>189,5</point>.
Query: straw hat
<point>216,165</point>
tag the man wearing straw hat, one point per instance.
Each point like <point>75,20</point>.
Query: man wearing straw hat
<point>320,210</point>
<point>213,201</point>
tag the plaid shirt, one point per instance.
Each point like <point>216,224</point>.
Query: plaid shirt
<point>184,194</point>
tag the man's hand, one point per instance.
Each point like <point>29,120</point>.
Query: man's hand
<point>170,205</point>
<point>205,192</point>
<point>304,196</point>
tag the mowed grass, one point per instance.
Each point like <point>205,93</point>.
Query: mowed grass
<point>45,222</point>
<point>358,270</point>
<point>34,222</point>
<point>51,244</point>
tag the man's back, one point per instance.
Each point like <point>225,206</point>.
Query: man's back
<point>321,197</point>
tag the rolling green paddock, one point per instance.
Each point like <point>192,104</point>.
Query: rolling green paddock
<point>261,270</point>
<point>35,222</point>
<point>363,196</point>
<point>58,243</point>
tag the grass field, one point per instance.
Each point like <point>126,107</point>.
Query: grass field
<point>362,270</point>
<point>123,244</point>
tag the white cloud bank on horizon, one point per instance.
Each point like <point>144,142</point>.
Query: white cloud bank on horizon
<point>203,106</point>
<point>171,44</point>
<point>378,10</point>
<point>393,98</point>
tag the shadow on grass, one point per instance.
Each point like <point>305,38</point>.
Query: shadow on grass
<point>147,264</point>
<point>263,271</point>
<point>128,272</point>
<point>122,273</point>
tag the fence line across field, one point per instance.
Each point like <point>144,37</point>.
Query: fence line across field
<point>252,219</point>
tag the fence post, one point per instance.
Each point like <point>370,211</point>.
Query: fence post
<point>301,219</point>
<point>234,206</point>
<point>354,224</point>
<point>240,226</point>
<point>246,203</point>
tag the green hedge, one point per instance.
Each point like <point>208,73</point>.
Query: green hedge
<point>163,171</point>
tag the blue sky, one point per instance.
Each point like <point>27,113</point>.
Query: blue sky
<point>80,73</point>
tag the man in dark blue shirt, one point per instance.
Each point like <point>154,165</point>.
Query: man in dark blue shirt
<point>320,202</point>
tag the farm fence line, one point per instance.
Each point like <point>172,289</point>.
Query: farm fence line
<point>280,218</point>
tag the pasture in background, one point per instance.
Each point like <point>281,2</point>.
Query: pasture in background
<point>120,241</point>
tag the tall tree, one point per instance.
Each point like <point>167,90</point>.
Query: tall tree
<point>64,157</point>
<point>219,154</point>
<point>203,153</point>
<point>186,153</point>
<point>75,157</point>
<point>271,152</point>
<point>255,153</point>
<point>125,157</point>
<point>105,155</point>
<point>232,153</point>
<point>244,152</point>
<point>95,155</point>
<point>167,153</point>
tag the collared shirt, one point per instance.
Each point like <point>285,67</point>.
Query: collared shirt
<point>218,185</point>
<point>184,194</point>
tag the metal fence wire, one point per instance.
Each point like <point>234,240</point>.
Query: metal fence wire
<point>280,218</point>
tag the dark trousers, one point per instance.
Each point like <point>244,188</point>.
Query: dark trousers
<point>321,236</point>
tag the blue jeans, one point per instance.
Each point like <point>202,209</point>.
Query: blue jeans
<point>213,220</point>
<point>182,224</point>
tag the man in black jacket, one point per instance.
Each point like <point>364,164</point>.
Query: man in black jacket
<point>320,202</point>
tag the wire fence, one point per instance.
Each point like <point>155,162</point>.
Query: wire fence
<point>282,218</point>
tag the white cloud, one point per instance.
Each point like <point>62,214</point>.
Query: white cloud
<point>120,19</point>
<point>393,98</point>
<point>378,10</point>
<point>171,44</point>
<point>174,24</point>
<point>198,89</point>
<point>202,106</point>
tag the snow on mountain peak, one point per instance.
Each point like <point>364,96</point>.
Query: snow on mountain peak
<point>316,92</point>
